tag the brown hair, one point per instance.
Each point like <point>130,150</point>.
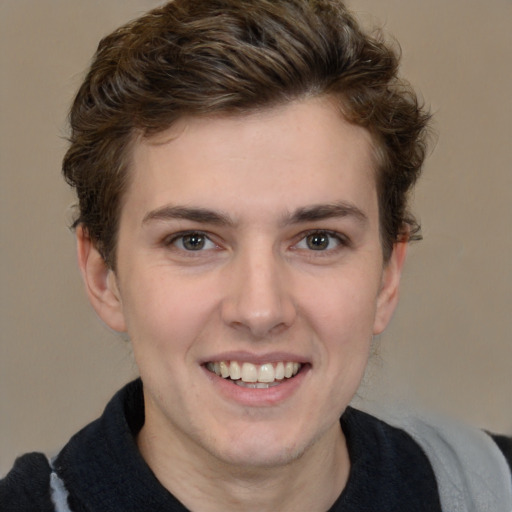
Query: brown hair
<point>198,57</point>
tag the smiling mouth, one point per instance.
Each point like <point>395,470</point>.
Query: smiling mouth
<point>250,375</point>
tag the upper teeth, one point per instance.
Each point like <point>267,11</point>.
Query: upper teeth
<point>248,372</point>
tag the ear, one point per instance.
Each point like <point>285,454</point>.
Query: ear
<point>100,282</point>
<point>389,291</point>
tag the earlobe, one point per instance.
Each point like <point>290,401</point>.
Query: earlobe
<point>389,292</point>
<point>100,282</point>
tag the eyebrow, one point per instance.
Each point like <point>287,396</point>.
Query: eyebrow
<point>305,214</point>
<point>202,215</point>
<point>326,211</point>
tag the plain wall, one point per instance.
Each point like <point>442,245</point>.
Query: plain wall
<point>449,345</point>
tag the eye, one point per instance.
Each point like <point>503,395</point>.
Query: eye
<point>192,241</point>
<point>320,241</point>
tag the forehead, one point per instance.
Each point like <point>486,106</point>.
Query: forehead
<point>300,153</point>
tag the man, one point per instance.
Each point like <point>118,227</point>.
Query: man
<point>242,170</point>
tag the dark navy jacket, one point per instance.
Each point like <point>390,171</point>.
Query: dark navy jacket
<point>103,471</point>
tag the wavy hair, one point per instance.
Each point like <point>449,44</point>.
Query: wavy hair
<point>199,57</point>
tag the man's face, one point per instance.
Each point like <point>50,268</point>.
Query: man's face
<point>249,247</point>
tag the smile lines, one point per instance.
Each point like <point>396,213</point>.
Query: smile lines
<point>255,376</point>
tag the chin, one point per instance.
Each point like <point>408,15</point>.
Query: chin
<point>253,450</point>
<point>255,459</point>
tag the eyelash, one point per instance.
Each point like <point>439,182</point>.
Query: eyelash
<point>341,241</point>
<point>172,240</point>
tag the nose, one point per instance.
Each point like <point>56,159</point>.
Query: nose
<point>258,296</point>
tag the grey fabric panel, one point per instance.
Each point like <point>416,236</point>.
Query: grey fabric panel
<point>471,471</point>
<point>58,492</point>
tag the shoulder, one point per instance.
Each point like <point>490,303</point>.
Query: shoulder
<point>84,465</point>
<point>472,468</point>
<point>26,487</point>
<point>389,470</point>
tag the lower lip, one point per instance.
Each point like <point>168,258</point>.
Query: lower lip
<point>256,397</point>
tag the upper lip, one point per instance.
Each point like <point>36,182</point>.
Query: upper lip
<point>257,359</point>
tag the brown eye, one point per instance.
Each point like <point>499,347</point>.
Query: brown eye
<point>321,241</point>
<point>318,241</point>
<point>190,244</point>
<point>193,241</point>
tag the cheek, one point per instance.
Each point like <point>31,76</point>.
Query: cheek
<point>344,308</point>
<point>167,313</point>
<point>342,319</point>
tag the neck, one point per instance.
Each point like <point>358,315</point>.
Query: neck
<point>312,481</point>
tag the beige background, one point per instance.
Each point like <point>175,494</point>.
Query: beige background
<point>449,346</point>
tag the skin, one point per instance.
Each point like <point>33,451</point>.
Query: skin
<point>256,186</point>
